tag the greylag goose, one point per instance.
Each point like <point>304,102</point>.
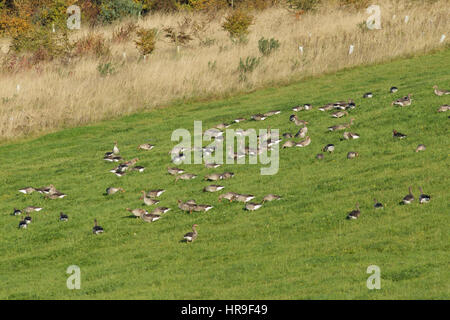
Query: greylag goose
<point>252,206</point>
<point>328,148</point>
<point>440,92</point>
<point>28,219</point>
<point>138,168</point>
<point>192,202</point>
<point>184,206</point>
<point>55,195</point>
<point>339,114</point>
<point>423,198</point>
<point>149,217</point>
<point>113,190</point>
<point>213,177</point>
<point>402,102</point>
<point>63,216</point>
<point>23,224</point>
<point>227,175</point>
<point>343,105</point>
<point>146,146</point>
<point>202,207</point>
<point>155,193</point>
<point>393,90</point>
<point>409,198</point>
<point>96,229</point>
<point>27,190</point>
<point>271,197</point>
<point>352,155</point>
<point>17,212</point>
<point>327,107</point>
<point>259,117</point>
<point>341,126</point>
<point>319,156</point>
<point>289,144</point>
<point>297,121</point>
<point>191,236</point>
<point>305,107</point>
<point>287,135</point>
<point>355,213</point>
<point>444,108</point>
<point>31,209</point>
<point>272,113</point>
<point>186,176</point>
<point>213,188</point>
<point>112,158</point>
<point>175,171</point>
<point>368,95</point>
<point>301,133</point>
<point>160,210</point>
<point>304,143</point>
<point>212,165</point>
<point>137,212</point>
<point>397,134</point>
<point>114,152</point>
<point>420,147</point>
<point>350,135</point>
<point>148,200</point>
<point>239,120</point>
<point>243,197</point>
<point>230,196</point>
<point>377,205</point>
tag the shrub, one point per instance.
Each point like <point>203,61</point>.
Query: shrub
<point>237,24</point>
<point>180,34</point>
<point>305,5</point>
<point>159,5</point>
<point>247,66</point>
<point>123,33</point>
<point>106,69</point>
<point>92,44</point>
<point>146,41</point>
<point>112,10</point>
<point>53,12</point>
<point>266,46</point>
<point>12,26</point>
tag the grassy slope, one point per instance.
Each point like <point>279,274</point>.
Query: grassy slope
<point>300,247</point>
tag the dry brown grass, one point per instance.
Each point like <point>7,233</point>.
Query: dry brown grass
<point>57,96</point>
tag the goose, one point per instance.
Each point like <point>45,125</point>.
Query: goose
<point>272,113</point>
<point>423,198</point>
<point>289,144</point>
<point>112,158</point>
<point>113,190</point>
<point>352,155</point>
<point>270,142</point>
<point>160,210</point>
<point>297,121</point>
<point>444,108</point>
<point>120,174</point>
<point>175,171</point>
<point>327,107</point>
<point>222,126</point>
<point>397,134</point>
<point>342,105</point>
<point>239,120</point>
<point>227,175</point>
<point>28,219</point>
<point>440,92</point>
<point>96,229</point>
<point>17,212</point>
<point>56,195</point>
<point>63,217</point>
<point>304,143</point>
<point>393,90</point>
<point>149,217</point>
<point>319,156</point>
<point>355,213</point>
<point>191,202</point>
<point>138,168</point>
<point>259,117</point>
<point>252,206</point>
<point>368,95</point>
<point>271,197</point>
<point>202,207</point>
<point>212,165</point>
<point>230,196</point>
<point>339,114</point>
<point>341,126</point>
<point>148,200</point>
<point>137,212</point>
<point>213,188</point>
<point>350,135</point>
<point>328,148</point>
<point>27,190</point>
<point>23,224</point>
<point>155,193</point>
<point>191,236</point>
<point>243,197</point>
<point>46,190</point>
<point>146,146</point>
<point>184,206</point>
<point>114,152</point>
<point>377,205</point>
<point>287,135</point>
<point>409,198</point>
<point>213,177</point>
<point>301,133</point>
<point>305,107</point>
<point>402,102</point>
<point>420,147</point>
<point>186,176</point>
<point>31,209</point>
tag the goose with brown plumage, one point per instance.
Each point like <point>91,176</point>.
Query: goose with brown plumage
<point>409,198</point>
<point>355,213</point>
<point>191,236</point>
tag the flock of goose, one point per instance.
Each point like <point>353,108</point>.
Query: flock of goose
<point>340,109</point>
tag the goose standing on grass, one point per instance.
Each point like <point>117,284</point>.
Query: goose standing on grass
<point>328,148</point>
<point>258,117</point>
<point>377,205</point>
<point>350,135</point>
<point>28,219</point>
<point>113,190</point>
<point>304,143</point>
<point>409,198</point>
<point>297,121</point>
<point>301,133</point>
<point>341,126</point>
<point>393,90</point>
<point>397,134</point>
<point>184,206</point>
<point>175,171</point>
<point>289,144</point>
<point>138,168</point>
<point>17,212</point>
<point>305,107</point>
<point>137,212</point>
<point>272,113</point>
<point>23,224</point>
<point>440,92</point>
<point>97,229</point>
<point>243,197</point>
<point>252,206</point>
<point>191,236</point>
<point>213,177</point>
<point>27,190</point>
<point>31,209</point>
<point>160,210</point>
<point>355,213</point>
<point>368,95</point>
<point>339,114</point>
<point>213,188</point>
<point>202,207</point>
<point>403,102</point>
<point>352,154</point>
<point>148,200</point>
<point>327,107</point>
<point>155,193</point>
<point>420,147</point>
<point>271,197</point>
<point>146,146</point>
<point>113,153</point>
<point>423,198</point>
<point>227,175</point>
<point>444,108</point>
<point>63,216</point>
<point>230,196</point>
<point>150,217</point>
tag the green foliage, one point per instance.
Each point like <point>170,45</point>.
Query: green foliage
<point>146,41</point>
<point>267,46</point>
<point>111,10</point>
<point>106,69</point>
<point>237,24</point>
<point>52,13</point>
<point>247,66</point>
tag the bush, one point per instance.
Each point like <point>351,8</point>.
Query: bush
<point>146,41</point>
<point>123,33</point>
<point>53,12</point>
<point>237,24</point>
<point>305,5</point>
<point>111,10</point>
<point>159,5</point>
<point>92,44</point>
<point>106,69</point>
<point>266,46</point>
<point>247,66</point>
<point>12,26</point>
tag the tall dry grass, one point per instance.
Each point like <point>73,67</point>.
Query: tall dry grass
<point>56,95</point>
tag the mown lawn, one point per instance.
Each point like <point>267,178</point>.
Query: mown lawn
<point>301,247</point>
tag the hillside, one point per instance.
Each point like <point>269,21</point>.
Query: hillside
<point>300,247</point>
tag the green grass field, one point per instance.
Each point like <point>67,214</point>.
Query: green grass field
<point>301,247</point>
